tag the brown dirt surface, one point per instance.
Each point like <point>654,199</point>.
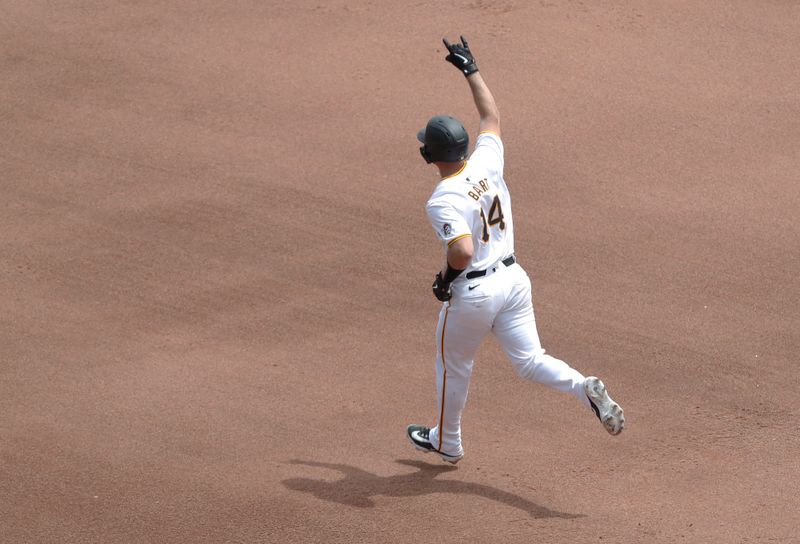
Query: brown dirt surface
<point>216,317</point>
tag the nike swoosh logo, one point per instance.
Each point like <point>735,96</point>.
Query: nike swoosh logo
<point>465,59</point>
<point>471,287</point>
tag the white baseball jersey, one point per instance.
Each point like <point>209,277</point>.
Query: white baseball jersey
<point>475,202</point>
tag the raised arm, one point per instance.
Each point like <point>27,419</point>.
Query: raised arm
<point>484,101</point>
<point>460,56</point>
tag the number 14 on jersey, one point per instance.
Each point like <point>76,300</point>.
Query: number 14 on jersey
<point>495,218</point>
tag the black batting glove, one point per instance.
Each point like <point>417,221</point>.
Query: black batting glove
<point>461,57</point>
<point>441,288</point>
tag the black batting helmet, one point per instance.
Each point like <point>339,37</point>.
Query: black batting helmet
<point>445,139</point>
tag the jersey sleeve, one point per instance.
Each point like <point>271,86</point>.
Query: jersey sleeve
<point>448,224</point>
<point>489,151</point>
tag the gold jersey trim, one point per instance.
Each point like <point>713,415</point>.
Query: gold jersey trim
<point>456,173</point>
<point>456,239</point>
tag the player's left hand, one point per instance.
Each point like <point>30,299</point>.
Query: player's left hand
<point>441,288</point>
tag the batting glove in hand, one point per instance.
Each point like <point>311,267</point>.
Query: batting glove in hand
<point>461,57</point>
<point>441,288</point>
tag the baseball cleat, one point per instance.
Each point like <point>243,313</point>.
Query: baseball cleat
<point>419,436</point>
<point>608,412</point>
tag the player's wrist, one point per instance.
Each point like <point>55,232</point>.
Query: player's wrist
<point>451,273</point>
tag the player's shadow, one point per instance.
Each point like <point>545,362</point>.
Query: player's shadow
<point>358,486</point>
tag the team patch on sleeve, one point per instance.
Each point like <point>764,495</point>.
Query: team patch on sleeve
<point>447,229</point>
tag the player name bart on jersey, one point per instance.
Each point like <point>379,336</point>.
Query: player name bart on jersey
<point>478,190</point>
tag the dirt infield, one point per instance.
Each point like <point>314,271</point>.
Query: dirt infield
<point>216,320</point>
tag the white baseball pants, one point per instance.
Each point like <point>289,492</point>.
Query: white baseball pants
<point>500,303</point>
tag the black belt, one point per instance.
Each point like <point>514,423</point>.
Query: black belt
<point>508,261</point>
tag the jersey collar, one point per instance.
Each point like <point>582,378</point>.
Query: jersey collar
<point>454,174</point>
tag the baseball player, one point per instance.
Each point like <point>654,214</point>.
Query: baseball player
<point>481,286</point>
